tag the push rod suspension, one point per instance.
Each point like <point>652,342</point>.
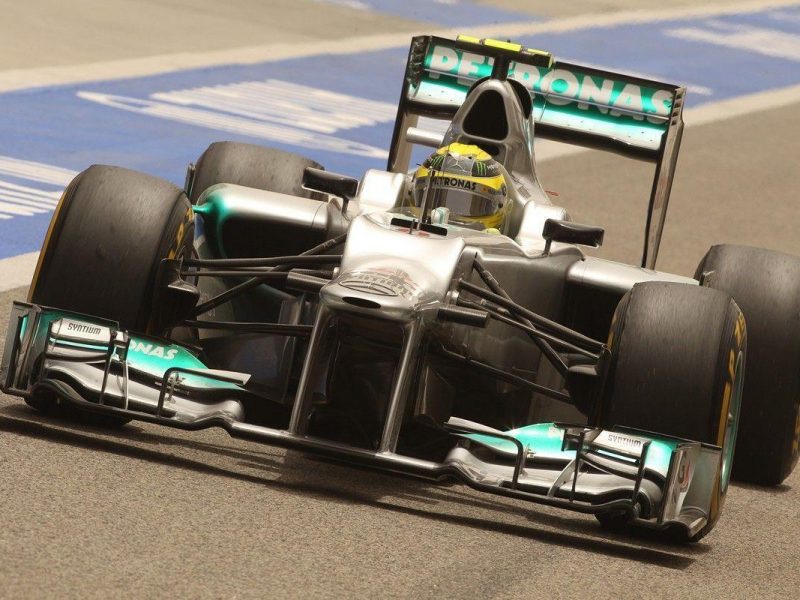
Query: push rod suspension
<point>543,322</point>
<point>275,261</point>
<point>263,274</point>
<point>255,281</point>
<point>510,377</point>
<point>534,333</point>
<point>548,351</point>
<point>287,329</point>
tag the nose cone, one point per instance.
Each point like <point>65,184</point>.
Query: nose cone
<point>388,273</point>
<point>384,291</point>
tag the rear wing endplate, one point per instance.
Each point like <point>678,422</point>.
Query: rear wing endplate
<point>631,116</point>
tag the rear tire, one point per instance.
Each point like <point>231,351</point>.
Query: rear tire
<point>251,166</point>
<point>677,361</point>
<point>766,285</point>
<point>106,241</point>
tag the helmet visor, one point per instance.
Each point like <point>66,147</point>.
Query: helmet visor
<point>461,197</point>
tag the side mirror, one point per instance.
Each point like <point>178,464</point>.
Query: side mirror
<point>331,183</point>
<point>568,232</point>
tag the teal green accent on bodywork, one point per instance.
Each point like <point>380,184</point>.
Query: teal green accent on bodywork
<point>48,316</point>
<point>543,438</point>
<point>41,329</point>
<point>546,439</point>
<point>23,327</point>
<point>97,347</point>
<point>562,95</point>
<point>155,358</point>
<point>214,210</point>
<point>146,355</point>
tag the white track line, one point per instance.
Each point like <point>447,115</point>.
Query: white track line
<point>759,40</point>
<point>19,79</point>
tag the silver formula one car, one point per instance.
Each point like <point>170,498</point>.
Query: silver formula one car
<point>443,323</point>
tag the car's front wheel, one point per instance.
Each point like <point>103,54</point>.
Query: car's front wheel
<point>107,238</point>
<point>677,367</point>
<point>105,243</point>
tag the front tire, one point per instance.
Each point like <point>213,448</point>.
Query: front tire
<point>677,366</point>
<point>106,241</point>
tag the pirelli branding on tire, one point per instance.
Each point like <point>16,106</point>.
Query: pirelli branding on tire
<point>739,334</point>
<point>180,234</point>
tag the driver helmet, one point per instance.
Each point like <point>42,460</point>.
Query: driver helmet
<point>467,182</point>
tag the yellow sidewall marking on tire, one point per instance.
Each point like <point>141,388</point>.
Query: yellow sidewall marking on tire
<point>181,233</point>
<point>46,244</point>
<point>739,333</point>
<point>723,425</point>
<point>726,399</point>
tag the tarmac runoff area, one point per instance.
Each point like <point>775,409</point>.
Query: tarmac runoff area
<point>145,511</point>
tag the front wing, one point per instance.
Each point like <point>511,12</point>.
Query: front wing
<point>91,364</point>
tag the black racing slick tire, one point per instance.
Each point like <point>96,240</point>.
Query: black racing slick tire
<point>251,166</point>
<point>106,241</point>
<point>676,368</point>
<point>766,285</point>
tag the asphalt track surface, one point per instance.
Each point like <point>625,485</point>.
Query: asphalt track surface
<point>150,512</point>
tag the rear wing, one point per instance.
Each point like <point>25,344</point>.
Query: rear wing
<point>631,116</point>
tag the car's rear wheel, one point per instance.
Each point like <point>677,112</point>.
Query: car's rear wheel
<point>766,285</point>
<point>106,240</point>
<point>251,166</point>
<point>677,366</point>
